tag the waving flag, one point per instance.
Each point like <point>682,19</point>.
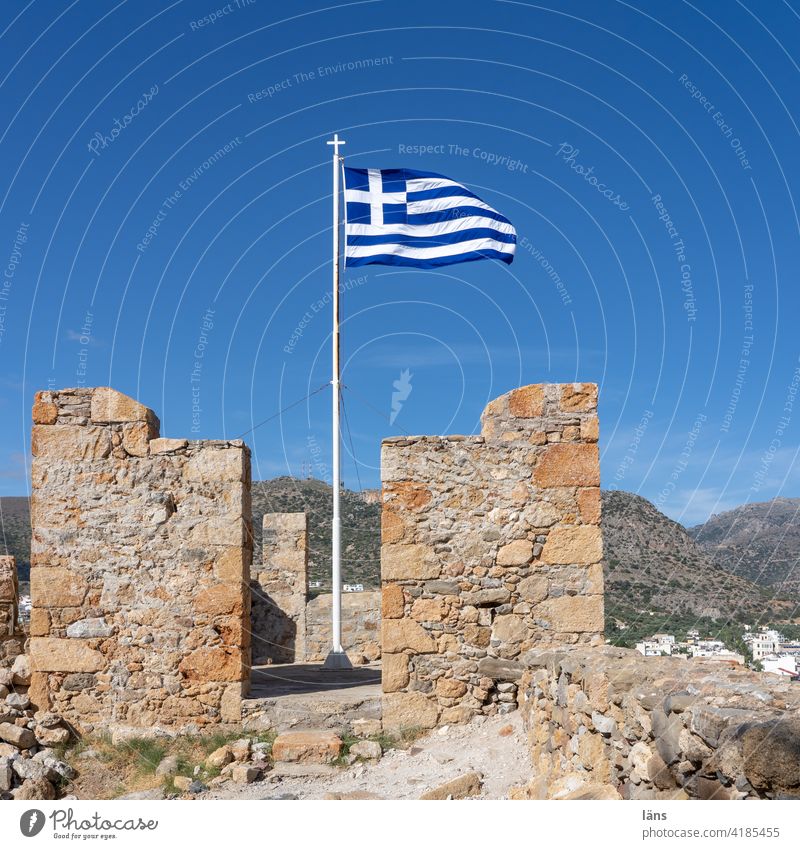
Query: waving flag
<point>419,219</point>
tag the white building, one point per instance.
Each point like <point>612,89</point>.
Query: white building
<point>652,648</point>
<point>353,588</point>
<point>24,608</point>
<point>715,650</point>
<point>785,664</point>
<point>706,648</point>
<point>766,642</point>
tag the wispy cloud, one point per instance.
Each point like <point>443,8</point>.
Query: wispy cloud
<point>83,339</point>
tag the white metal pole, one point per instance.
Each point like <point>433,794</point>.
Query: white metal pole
<point>337,659</point>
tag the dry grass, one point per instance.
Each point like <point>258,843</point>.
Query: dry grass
<point>130,766</point>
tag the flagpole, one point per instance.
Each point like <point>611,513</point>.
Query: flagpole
<point>337,658</point>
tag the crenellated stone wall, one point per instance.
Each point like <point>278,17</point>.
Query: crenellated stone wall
<point>491,547</point>
<point>610,723</point>
<point>12,639</point>
<point>140,562</point>
<point>287,625</point>
<point>279,586</point>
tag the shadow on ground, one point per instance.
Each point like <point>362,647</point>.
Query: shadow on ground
<point>301,678</point>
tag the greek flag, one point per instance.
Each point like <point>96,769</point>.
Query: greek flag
<point>419,219</point>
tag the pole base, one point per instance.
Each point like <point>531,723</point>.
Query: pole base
<point>337,660</point>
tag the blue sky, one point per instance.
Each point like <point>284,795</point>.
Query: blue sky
<point>166,194</point>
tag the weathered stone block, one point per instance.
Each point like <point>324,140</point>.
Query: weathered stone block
<point>409,562</point>
<point>477,635</point>
<point>392,602</point>
<point>590,429</point>
<point>488,597</point>
<point>393,528</point>
<point>407,496</point>
<point>51,654</point>
<point>500,670</point>
<point>216,465</point>
<point>45,411</point>
<point>533,589</point>
<point>220,599</point>
<point>568,464</point>
<point>213,664</point>
<point>57,587</point>
<point>399,635</point>
<point>509,629</point>
<point>165,445</point>
<point>589,505</point>
<point>110,406</point>
<point>394,672</point>
<point>579,397</point>
<point>39,623</point>
<point>409,710</point>
<point>527,402</point>
<point>516,553</point>
<point>450,688</point>
<point>581,545</point>
<point>65,442</point>
<point>230,705</point>
<point>573,614</point>
<point>309,747</point>
<point>231,564</point>
<point>88,628</point>
<point>136,439</point>
<point>430,610</point>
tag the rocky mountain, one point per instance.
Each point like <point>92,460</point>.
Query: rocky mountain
<point>760,542</point>
<point>653,563</point>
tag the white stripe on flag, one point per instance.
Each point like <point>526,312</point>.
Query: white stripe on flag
<point>427,253</point>
<point>375,196</point>
<point>423,184</point>
<point>465,223</point>
<point>436,204</point>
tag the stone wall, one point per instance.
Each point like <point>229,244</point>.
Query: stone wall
<point>610,723</point>
<point>361,622</point>
<point>491,547</point>
<point>12,639</point>
<point>140,561</point>
<point>279,588</point>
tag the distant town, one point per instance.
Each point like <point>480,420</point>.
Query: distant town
<point>767,649</point>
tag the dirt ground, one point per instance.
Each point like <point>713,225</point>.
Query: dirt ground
<point>494,747</point>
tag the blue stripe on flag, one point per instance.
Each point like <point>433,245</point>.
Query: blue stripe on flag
<point>432,262</point>
<point>442,192</point>
<point>433,241</point>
